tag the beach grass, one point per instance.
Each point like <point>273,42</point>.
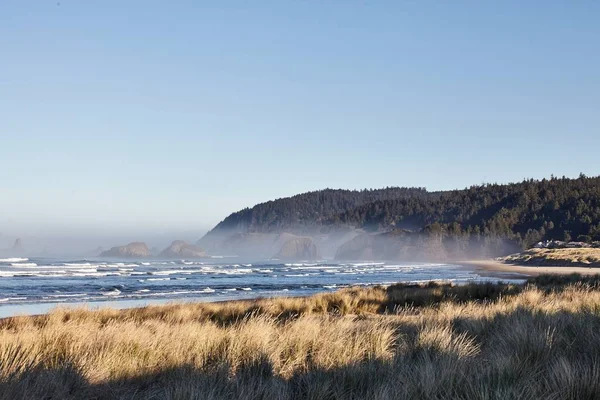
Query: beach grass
<point>431,341</point>
<point>567,257</point>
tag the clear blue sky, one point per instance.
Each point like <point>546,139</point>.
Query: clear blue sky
<point>158,115</point>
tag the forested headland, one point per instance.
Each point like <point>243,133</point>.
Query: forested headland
<point>522,213</point>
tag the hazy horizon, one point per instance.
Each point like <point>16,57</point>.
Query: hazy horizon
<point>84,242</point>
<point>146,120</point>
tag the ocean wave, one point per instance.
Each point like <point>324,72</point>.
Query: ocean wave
<point>13,259</point>
<point>366,264</point>
<point>94,274</point>
<point>114,292</point>
<point>318,267</point>
<point>180,292</point>
<point>23,265</point>
<point>84,270</point>
<point>7,299</point>
<point>165,272</point>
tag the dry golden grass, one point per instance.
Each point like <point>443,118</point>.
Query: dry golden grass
<point>435,341</point>
<point>577,257</point>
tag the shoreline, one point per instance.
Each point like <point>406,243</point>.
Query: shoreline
<point>495,267</point>
<point>487,268</point>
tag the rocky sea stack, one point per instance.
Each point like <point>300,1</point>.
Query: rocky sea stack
<point>132,250</point>
<point>298,248</point>
<point>181,249</point>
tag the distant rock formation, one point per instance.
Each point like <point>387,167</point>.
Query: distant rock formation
<point>132,250</point>
<point>394,245</point>
<point>16,250</point>
<point>18,246</point>
<point>358,248</point>
<point>181,249</point>
<point>298,248</point>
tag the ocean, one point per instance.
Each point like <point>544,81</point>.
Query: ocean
<point>36,285</point>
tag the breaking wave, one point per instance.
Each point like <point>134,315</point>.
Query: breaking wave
<point>26,281</point>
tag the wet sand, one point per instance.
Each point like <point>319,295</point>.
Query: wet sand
<point>494,267</point>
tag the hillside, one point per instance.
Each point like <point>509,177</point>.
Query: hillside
<point>527,212</point>
<point>487,220</point>
<point>307,210</point>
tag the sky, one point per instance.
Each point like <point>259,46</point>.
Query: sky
<point>156,116</point>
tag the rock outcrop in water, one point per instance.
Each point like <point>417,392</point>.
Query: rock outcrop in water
<point>181,249</point>
<point>131,250</point>
<point>394,245</point>
<point>18,246</point>
<point>14,251</point>
<point>404,245</point>
<point>298,248</point>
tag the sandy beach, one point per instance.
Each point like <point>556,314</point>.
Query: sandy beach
<point>493,266</point>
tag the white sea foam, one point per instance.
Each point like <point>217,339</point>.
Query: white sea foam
<point>319,267</point>
<point>114,292</point>
<point>94,274</point>
<point>365,264</point>
<point>166,272</point>
<point>85,270</point>
<point>180,292</point>
<point>13,259</point>
<point>10,274</point>
<point>36,267</point>
<point>3,300</point>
